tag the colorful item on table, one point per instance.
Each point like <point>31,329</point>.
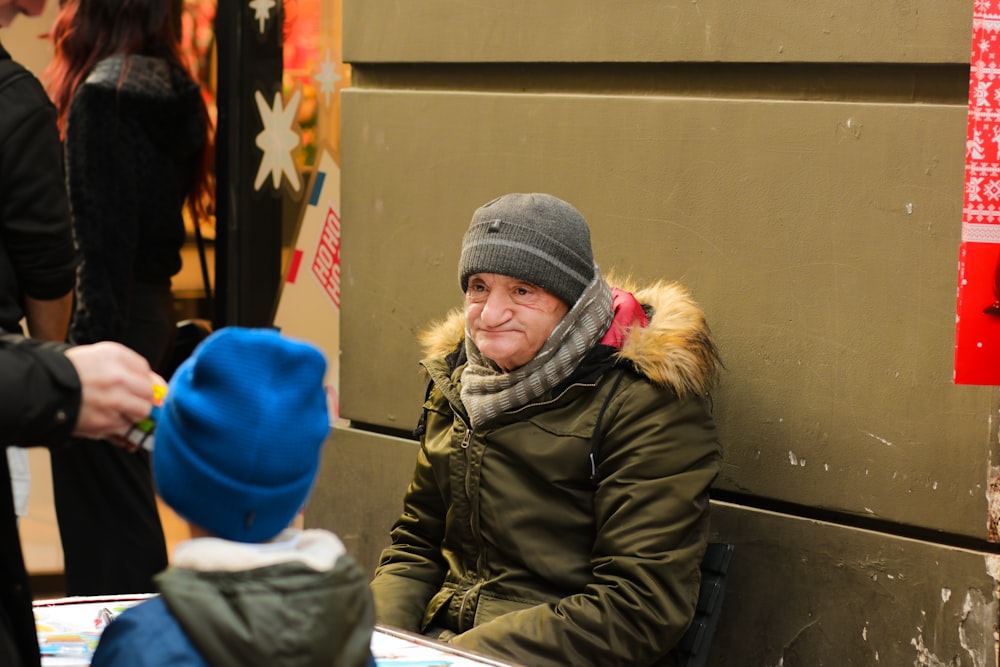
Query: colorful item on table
<point>141,434</point>
<point>69,629</point>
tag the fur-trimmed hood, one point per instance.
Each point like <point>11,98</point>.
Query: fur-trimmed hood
<point>675,350</point>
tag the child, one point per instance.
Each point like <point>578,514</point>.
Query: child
<point>237,446</point>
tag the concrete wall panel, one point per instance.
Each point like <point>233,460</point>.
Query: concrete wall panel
<point>904,31</point>
<point>359,495</point>
<point>805,592</point>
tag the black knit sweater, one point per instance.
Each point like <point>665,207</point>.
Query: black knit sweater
<point>134,132</point>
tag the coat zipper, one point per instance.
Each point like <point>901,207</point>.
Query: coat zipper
<point>466,441</point>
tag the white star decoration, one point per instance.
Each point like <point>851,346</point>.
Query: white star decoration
<point>262,11</point>
<point>327,77</point>
<point>277,141</point>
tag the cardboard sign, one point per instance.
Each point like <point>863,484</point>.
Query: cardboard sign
<point>309,305</point>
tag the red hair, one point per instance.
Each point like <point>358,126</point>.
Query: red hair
<point>88,31</point>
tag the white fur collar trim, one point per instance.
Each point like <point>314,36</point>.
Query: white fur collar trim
<point>318,549</point>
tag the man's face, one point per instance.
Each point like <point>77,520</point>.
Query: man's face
<point>509,320</point>
<point>9,9</point>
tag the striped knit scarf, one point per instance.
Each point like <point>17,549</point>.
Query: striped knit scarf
<point>488,391</point>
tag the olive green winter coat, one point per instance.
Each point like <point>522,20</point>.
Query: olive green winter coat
<point>510,539</point>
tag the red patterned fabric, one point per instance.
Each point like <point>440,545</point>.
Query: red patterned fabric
<point>977,334</point>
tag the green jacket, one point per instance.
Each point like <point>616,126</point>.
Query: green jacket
<point>290,603</point>
<point>510,540</point>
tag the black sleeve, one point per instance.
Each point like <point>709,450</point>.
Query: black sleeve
<point>39,392</point>
<point>34,208</point>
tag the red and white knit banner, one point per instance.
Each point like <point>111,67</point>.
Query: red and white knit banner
<point>977,332</point>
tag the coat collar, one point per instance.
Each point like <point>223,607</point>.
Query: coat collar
<point>674,350</point>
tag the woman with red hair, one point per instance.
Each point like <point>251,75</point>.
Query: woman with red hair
<point>137,143</point>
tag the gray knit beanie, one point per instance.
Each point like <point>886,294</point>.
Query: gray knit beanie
<point>534,237</point>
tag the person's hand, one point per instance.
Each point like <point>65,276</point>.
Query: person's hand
<point>116,386</point>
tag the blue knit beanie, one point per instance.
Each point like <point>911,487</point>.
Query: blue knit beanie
<point>239,435</point>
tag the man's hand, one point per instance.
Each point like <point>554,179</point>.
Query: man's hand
<point>116,389</point>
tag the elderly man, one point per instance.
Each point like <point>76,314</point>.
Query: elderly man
<point>559,509</point>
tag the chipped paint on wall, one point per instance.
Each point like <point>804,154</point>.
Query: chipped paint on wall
<point>993,504</point>
<point>864,636</point>
<point>927,659</point>
<point>879,438</point>
<point>977,630</point>
<point>993,566</point>
<point>977,626</point>
<point>993,569</point>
